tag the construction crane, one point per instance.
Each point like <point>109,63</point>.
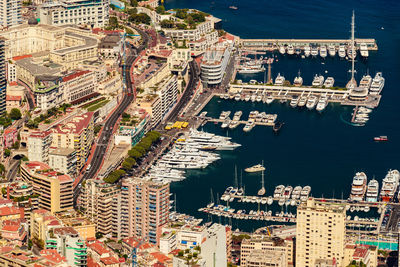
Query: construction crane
<point>123,36</point>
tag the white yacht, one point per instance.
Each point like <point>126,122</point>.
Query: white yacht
<point>389,185</point>
<point>377,84</point>
<point>302,101</point>
<point>322,51</point>
<point>225,123</point>
<point>372,191</point>
<point>253,98</point>
<point>332,50</point>
<point>305,192</point>
<point>366,82</point>
<point>259,98</point>
<point>358,187</point>
<point>290,49</point>
<point>237,115</point>
<point>318,80</point>
<point>249,126</point>
<point>296,192</point>
<point>314,51</point>
<point>279,80</point>
<point>224,115</point>
<point>342,51</point>
<point>329,82</point>
<point>294,101</point>
<point>233,124</point>
<point>278,191</point>
<point>287,192</point>
<point>269,100</point>
<point>364,50</point>
<point>247,98</point>
<point>322,103</point>
<point>350,53</point>
<point>307,50</point>
<point>311,102</point>
<point>298,81</point>
<point>282,50</point>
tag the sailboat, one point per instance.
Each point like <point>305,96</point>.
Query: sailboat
<point>262,190</point>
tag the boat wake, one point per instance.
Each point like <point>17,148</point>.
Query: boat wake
<point>350,123</point>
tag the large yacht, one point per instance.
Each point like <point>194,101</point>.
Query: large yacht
<point>372,191</point>
<point>279,80</point>
<point>364,50</point>
<point>389,185</point>
<point>329,82</point>
<point>377,84</point>
<point>278,191</point>
<point>366,82</point>
<point>318,80</point>
<point>311,102</point>
<point>307,50</point>
<point>342,51</point>
<point>322,103</point>
<point>305,192</point>
<point>322,51</point>
<point>298,81</point>
<point>332,50</point>
<point>314,51</point>
<point>358,187</point>
<point>290,50</point>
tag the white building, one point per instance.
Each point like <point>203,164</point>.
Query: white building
<point>79,84</point>
<point>214,63</point>
<point>78,12</point>
<point>38,146</point>
<point>63,160</point>
<point>10,12</point>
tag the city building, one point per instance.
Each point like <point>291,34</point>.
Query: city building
<point>78,134</point>
<point>47,91</point>
<point>361,253</point>
<point>68,243</point>
<point>276,251</point>
<point>144,209</point>
<point>63,160</point>
<point>85,228</point>
<point>63,12</point>
<point>38,144</point>
<point>3,80</point>
<point>320,232</point>
<point>97,204</point>
<point>214,63</point>
<point>101,255</point>
<point>10,136</point>
<point>79,85</point>
<point>54,189</point>
<point>13,231</point>
<point>151,103</point>
<point>41,223</point>
<point>10,13</point>
<point>23,197</point>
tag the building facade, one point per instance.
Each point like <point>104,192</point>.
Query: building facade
<point>63,160</point>
<point>10,13</point>
<point>3,81</point>
<point>320,232</point>
<point>38,146</point>
<point>79,12</point>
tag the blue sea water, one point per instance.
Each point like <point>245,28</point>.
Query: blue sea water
<point>313,149</point>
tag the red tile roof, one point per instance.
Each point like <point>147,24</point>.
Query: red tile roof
<point>40,134</point>
<point>10,228</point>
<point>109,260</point>
<point>7,211</point>
<point>160,257</point>
<point>92,263</point>
<point>21,57</point>
<point>13,83</point>
<point>76,125</point>
<point>75,75</point>
<point>98,247</point>
<point>52,255</point>
<point>360,252</point>
<point>13,98</point>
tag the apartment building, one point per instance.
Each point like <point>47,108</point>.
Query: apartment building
<point>320,232</point>
<point>10,13</point>
<point>47,92</point>
<point>85,228</point>
<point>258,249</point>
<point>79,85</point>
<point>151,103</point>
<point>63,160</point>
<point>38,145</point>
<point>78,134</point>
<point>3,81</point>
<point>214,63</point>
<point>24,197</point>
<point>68,243</point>
<point>79,12</point>
<point>97,204</point>
<point>144,209</point>
<point>54,189</point>
<point>41,222</point>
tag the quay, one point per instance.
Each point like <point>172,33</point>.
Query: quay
<point>209,119</point>
<point>286,92</point>
<point>273,44</point>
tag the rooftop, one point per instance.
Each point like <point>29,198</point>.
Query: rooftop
<point>44,169</point>
<point>76,125</point>
<point>61,151</point>
<point>74,75</point>
<point>64,231</point>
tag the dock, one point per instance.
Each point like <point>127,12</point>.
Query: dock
<point>273,44</point>
<point>209,119</point>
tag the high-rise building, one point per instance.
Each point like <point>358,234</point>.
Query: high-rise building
<point>78,12</point>
<point>10,13</point>
<point>320,232</point>
<point>144,209</point>
<point>97,203</point>
<point>63,160</point>
<point>3,82</point>
<point>54,189</point>
<point>38,146</point>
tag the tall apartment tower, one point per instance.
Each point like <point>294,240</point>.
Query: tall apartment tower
<point>143,209</point>
<point>10,12</point>
<point>320,232</point>
<point>3,82</point>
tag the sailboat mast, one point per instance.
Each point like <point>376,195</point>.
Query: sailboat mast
<point>262,176</point>
<point>352,46</point>
<point>236,179</point>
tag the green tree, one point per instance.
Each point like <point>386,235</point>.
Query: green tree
<point>160,9</point>
<point>2,169</point>
<point>167,24</point>
<point>99,235</point>
<point>4,191</point>
<point>134,3</point>
<point>181,13</point>
<point>15,145</point>
<point>15,114</point>
<point>7,152</point>
<point>113,21</point>
<point>181,26</point>
<point>134,153</point>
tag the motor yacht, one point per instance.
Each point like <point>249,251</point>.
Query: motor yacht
<point>302,101</point>
<point>311,102</point>
<point>305,192</point>
<point>278,191</point>
<point>282,49</point>
<point>249,126</point>
<point>296,192</point>
<point>372,191</point>
<point>288,191</point>
<point>279,80</point>
<point>294,101</point>
<point>364,50</point>
<point>342,51</point>
<point>377,84</point>
<point>307,50</point>
<point>269,100</point>
<point>323,52</point>
<point>224,115</point>
<point>358,187</point>
<point>389,185</point>
<point>332,50</point>
<point>290,50</point>
<point>318,80</point>
<point>322,103</point>
<point>298,81</point>
<point>314,51</point>
<point>329,82</point>
<point>366,82</point>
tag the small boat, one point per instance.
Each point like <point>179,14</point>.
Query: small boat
<point>318,80</point>
<point>247,98</point>
<point>255,168</point>
<point>290,50</point>
<point>314,51</point>
<point>294,101</point>
<point>332,50</point>
<point>364,50</point>
<point>311,102</point>
<point>269,100</point>
<point>322,103</point>
<point>278,191</point>
<point>329,82</point>
<point>225,123</point>
<point>270,200</point>
<point>302,101</point>
<point>282,50</point>
<point>323,52</point>
<point>277,126</point>
<point>233,7</point>
<point>381,138</point>
<point>342,51</point>
<point>307,50</point>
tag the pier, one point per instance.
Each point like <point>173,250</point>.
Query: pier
<point>209,119</point>
<point>273,44</point>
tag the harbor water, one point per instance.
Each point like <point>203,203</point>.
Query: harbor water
<point>320,150</point>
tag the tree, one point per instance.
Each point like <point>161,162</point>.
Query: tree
<point>132,11</point>
<point>99,235</point>
<point>113,21</point>
<point>15,145</point>
<point>181,26</point>
<point>7,152</point>
<point>167,24</point>
<point>135,154</point>
<point>181,13</point>
<point>160,9</point>
<point>134,3</point>
<point>2,169</point>
<point>15,114</point>
<point>198,17</point>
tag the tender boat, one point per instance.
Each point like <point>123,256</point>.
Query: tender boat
<point>359,186</point>
<point>372,191</point>
<point>277,126</point>
<point>255,168</point>
<point>381,138</point>
<point>329,82</point>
